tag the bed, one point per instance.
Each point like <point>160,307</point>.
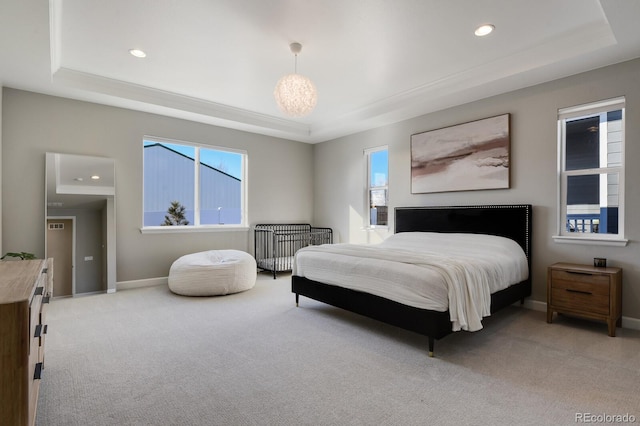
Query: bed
<point>511,222</point>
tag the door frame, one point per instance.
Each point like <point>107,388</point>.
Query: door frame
<point>73,247</point>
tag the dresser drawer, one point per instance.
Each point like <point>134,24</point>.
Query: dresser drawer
<point>43,310</point>
<point>43,317</point>
<point>34,390</point>
<point>35,309</point>
<point>34,373</point>
<point>41,347</point>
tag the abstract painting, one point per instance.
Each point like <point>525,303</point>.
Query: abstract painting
<point>464,157</point>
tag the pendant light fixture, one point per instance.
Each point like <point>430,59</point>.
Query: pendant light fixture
<point>295,94</point>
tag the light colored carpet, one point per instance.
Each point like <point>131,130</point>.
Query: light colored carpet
<point>149,357</point>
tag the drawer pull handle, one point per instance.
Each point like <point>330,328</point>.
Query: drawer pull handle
<point>38,332</point>
<point>579,273</point>
<point>37,375</point>
<point>39,291</point>
<point>46,299</point>
<point>570,290</point>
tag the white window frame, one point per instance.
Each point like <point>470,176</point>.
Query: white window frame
<point>196,227</point>
<point>369,187</point>
<point>584,111</point>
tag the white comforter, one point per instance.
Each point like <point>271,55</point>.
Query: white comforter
<point>428,270</point>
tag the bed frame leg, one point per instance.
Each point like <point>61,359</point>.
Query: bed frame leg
<point>431,343</point>
<point>297,299</point>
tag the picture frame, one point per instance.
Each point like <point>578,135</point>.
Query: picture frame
<point>465,157</point>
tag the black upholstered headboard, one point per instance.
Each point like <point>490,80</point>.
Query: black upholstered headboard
<point>510,221</point>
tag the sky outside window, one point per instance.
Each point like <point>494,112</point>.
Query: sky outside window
<point>379,168</point>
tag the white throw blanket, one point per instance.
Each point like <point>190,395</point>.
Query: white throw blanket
<point>468,267</point>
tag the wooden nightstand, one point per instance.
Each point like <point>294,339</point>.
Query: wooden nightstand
<point>585,291</point>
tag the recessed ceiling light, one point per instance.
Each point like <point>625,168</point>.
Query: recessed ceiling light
<point>137,53</point>
<point>95,177</point>
<point>484,30</point>
<point>78,179</point>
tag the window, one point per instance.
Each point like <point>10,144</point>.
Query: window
<point>591,172</point>
<point>377,186</point>
<point>192,186</point>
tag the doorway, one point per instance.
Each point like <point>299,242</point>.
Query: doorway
<point>61,247</point>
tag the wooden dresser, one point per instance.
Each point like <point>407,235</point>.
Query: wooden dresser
<point>585,291</point>
<point>25,289</point>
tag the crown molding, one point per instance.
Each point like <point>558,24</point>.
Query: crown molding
<point>135,92</point>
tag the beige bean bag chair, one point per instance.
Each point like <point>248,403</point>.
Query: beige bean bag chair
<point>212,273</point>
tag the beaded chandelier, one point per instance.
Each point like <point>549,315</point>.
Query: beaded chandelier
<point>295,94</point>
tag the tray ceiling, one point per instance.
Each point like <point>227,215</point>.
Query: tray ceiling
<point>373,62</point>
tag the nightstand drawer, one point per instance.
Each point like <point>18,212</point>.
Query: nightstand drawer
<point>578,300</point>
<point>569,279</point>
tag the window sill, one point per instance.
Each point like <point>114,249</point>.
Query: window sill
<point>375,227</point>
<point>190,229</point>
<point>592,241</point>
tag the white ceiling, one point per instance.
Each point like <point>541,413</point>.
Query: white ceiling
<point>69,182</point>
<point>374,62</point>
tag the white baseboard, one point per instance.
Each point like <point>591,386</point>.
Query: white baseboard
<point>148,282</point>
<point>632,323</point>
<point>534,305</point>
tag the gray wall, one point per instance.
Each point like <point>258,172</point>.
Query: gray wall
<point>280,174</point>
<point>339,173</point>
<point>1,249</point>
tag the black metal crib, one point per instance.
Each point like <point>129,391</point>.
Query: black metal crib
<point>277,244</point>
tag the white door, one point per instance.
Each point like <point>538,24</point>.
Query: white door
<point>60,248</point>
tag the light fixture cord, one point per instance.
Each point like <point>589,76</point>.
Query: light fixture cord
<point>295,63</point>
